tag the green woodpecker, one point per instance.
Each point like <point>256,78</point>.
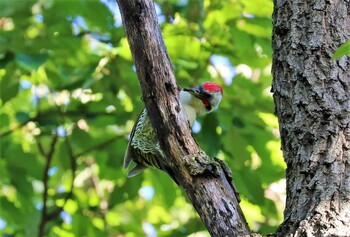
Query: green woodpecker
<point>143,147</point>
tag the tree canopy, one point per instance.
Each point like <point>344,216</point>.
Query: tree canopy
<point>70,96</point>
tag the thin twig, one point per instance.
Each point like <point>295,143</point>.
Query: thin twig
<point>45,216</point>
<point>48,157</point>
<point>96,185</point>
<point>50,113</point>
<point>11,130</point>
<point>99,146</point>
<point>56,212</point>
<point>41,149</point>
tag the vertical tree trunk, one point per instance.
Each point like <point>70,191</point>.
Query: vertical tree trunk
<point>312,97</point>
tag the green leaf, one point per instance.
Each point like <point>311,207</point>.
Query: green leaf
<point>10,7</point>
<point>261,8</point>
<point>260,27</point>
<point>10,212</point>
<point>30,62</point>
<point>9,84</point>
<point>22,117</point>
<point>343,50</point>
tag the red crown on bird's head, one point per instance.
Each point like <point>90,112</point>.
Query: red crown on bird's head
<point>212,87</point>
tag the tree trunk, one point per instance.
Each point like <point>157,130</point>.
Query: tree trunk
<point>312,97</point>
<point>207,182</point>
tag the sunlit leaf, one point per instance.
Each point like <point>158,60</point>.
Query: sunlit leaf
<point>343,50</point>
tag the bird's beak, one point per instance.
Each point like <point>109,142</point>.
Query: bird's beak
<point>194,91</point>
<point>197,92</point>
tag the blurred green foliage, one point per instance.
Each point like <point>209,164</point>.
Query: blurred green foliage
<point>69,98</point>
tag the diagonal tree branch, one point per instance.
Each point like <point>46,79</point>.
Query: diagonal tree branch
<point>206,181</point>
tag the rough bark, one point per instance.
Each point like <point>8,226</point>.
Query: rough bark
<point>312,97</point>
<point>207,182</point>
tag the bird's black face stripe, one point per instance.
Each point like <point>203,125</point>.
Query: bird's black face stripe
<point>208,107</point>
<point>205,95</point>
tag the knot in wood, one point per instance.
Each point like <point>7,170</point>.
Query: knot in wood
<point>200,164</point>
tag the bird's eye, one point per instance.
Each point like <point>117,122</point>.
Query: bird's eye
<point>206,95</point>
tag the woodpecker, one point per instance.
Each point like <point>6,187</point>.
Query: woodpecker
<point>144,148</point>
